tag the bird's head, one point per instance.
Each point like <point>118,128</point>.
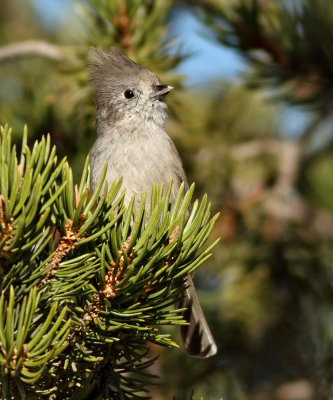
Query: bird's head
<point>124,90</point>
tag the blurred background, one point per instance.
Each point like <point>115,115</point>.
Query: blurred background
<point>251,116</point>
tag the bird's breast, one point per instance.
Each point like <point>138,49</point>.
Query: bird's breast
<point>141,159</point>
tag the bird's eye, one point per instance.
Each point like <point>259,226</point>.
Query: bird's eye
<point>128,94</point>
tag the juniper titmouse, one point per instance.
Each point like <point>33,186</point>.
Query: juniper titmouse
<point>131,138</point>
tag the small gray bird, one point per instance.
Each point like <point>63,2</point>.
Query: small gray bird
<point>131,138</point>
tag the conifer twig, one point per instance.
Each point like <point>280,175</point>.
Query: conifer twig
<point>31,48</point>
<point>122,23</point>
<point>66,244</point>
<point>7,228</point>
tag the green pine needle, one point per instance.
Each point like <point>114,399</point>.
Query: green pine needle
<point>86,282</point>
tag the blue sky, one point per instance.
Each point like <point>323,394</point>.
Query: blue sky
<point>207,61</point>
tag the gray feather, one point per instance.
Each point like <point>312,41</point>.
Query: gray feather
<point>131,138</point>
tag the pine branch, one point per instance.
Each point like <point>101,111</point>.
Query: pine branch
<point>79,308</point>
<point>31,48</point>
<point>288,46</point>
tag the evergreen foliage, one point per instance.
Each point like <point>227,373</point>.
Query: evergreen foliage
<point>86,283</point>
<point>267,293</point>
<point>287,42</point>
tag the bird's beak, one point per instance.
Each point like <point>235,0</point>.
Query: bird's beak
<point>160,90</point>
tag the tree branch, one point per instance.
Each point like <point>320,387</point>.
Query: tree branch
<point>255,148</point>
<point>279,200</point>
<point>31,48</point>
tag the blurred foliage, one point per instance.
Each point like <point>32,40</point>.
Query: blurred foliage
<point>268,292</point>
<point>287,42</point>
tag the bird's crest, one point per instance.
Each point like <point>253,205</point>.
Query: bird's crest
<point>113,66</point>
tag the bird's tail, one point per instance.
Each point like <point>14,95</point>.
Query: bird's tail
<point>197,337</point>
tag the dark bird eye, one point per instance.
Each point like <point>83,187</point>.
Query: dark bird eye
<point>128,94</point>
